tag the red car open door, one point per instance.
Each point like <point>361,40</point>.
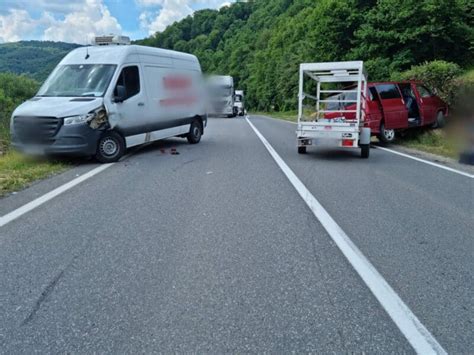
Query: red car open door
<point>394,109</point>
<point>427,103</point>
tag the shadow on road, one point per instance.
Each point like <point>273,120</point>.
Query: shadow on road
<point>331,154</point>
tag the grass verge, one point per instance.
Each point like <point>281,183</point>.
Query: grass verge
<point>286,116</point>
<point>437,141</point>
<point>17,171</point>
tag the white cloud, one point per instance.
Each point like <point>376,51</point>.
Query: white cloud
<point>82,20</point>
<point>15,24</point>
<point>171,11</point>
<point>81,26</point>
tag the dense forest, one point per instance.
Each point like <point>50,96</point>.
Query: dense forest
<point>261,43</point>
<point>33,58</point>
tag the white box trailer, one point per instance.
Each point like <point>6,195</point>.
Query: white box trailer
<point>102,99</point>
<point>221,96</point>
<point>323,121</point>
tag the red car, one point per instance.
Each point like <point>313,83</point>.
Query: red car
<point>393,106</point>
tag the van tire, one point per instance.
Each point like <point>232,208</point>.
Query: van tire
<point>302,150</point>
<point>440,121</point>
<point>386,136</point>
<point>110,147</point>
<point>195,132</point>
<point>364,151</point>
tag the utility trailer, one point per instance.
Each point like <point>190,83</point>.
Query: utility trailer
<point>326,118</point>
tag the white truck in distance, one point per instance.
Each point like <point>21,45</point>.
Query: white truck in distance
<point>221,96</point>
<point>103,99</point>
<point>239,102</point>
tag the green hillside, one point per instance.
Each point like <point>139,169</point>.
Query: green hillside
<point>33,58</point>
<point>261,43</point>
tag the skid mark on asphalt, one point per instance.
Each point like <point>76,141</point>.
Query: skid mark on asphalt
<point>414,331</point>
<point>49,288</point>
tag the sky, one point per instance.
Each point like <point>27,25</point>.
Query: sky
<point>78,21</point>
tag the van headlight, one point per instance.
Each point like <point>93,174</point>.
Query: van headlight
<point>76,119</point>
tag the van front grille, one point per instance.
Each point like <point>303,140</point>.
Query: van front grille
<point>36,129</point>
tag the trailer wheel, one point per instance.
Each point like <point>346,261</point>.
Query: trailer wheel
<point>386,135</point>
<point>364,151</point>
<point>195,132</point>
<point>301,150</point>
<point>110,148</point>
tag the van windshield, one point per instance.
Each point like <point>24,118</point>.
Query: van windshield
<point>79,80</point>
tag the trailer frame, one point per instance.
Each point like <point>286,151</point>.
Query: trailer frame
<point>341,132</point>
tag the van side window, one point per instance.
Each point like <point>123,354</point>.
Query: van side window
<point>335,104</point>
<point>349,96</point>
<point>130,79</point>
<point>373,94</point>
<point>388,91</point>
<point>424,92</point>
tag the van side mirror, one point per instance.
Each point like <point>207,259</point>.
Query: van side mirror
<point>120,93</point>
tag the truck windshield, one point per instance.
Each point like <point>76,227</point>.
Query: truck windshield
<point>221,91</point>
<point>79,80</point>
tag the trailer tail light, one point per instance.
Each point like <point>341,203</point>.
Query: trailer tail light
<point>347,142</point>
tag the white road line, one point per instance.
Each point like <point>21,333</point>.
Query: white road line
<point>428,162</point>
<point>398,153</point>
<point>276,119</point>
<point>414,331</point>
<point>50,195</point>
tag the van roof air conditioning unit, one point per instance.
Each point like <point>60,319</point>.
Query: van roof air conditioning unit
<point>111,40</point>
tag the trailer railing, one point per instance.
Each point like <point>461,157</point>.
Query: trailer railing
<point>325,74</point>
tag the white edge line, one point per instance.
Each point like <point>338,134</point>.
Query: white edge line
<point>414,331</point>
<point>396,152</point>
<point>50,195</point>
<point>275,119</point>
<point>427,162</point>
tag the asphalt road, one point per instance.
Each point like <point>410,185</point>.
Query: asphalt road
<point>212,250</point>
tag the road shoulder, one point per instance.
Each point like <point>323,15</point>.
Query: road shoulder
<point>40,187</point>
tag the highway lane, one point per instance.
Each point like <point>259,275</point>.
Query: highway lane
<point>413,221</point>
<point>213,250</point>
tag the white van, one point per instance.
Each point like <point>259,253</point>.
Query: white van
<point>103,99</point>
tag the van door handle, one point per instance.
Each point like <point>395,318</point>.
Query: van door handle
<point>141,104</point>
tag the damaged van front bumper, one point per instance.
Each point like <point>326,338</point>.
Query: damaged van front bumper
<point>76,140</point>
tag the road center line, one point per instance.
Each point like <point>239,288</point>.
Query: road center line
<point>50,195</point>
<point>427,162</point>
<point>414,331</point>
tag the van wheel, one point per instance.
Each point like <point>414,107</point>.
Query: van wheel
<point>195,132</point>
<point>301,150</point>
<point>364,150</point>
<point>440,121</point>
<point>110,148</point>
<point>386,135</point>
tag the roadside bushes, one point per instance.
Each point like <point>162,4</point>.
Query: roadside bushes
<point>441,76</point>
<point>14,89</point>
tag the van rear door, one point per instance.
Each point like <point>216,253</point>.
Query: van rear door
<point>394,109</point>
<point>374,112</point>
